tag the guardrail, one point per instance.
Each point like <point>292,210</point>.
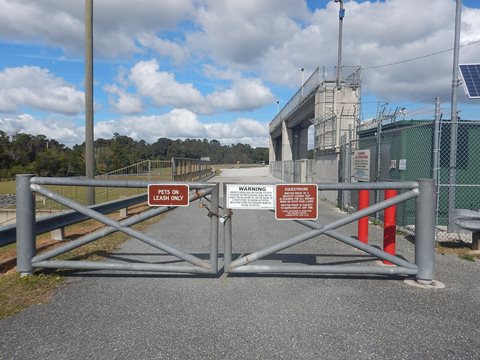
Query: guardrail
<point>65,218</point>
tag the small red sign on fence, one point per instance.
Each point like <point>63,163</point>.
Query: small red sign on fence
<point>168,195</point>
<point>296,202</point>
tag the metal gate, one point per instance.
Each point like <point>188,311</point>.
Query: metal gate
<point>422,191</point>
<point>26,232</point>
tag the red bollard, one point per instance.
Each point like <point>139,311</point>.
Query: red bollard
<point>363,199</point>
<point>389,226</point>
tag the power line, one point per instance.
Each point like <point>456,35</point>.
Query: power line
<point>419,57</point>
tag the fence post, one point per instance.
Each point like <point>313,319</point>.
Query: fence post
<point>26,226</point>
<point>214,220</point>
<point>174,169</point>
<point>227,233</point>
<point>425,231</point>
<point>363,200</point>
<point>389,226</point>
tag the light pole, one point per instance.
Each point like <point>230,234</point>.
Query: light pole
<point>341,15</point>
<point>278,106</point>
<point>302,70</point>
<point>89,152</point>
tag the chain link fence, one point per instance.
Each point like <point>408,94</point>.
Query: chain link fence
<point>404,151</point>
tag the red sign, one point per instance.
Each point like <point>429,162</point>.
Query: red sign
<point>296,202</point>
<point>168,195</point>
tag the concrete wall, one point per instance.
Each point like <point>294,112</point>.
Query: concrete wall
<point>310,171</point>
<point>343,103</point>
<point>326,170</point>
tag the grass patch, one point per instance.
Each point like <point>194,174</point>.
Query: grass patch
<point>467,257</point>
<point>18,293</point>
<point>7,187</point>
<point>462,250</point>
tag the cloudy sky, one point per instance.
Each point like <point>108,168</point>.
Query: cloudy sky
<point>215,68</point>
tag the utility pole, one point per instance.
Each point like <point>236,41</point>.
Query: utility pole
<point>452,174</point>
<point>302,70</point>
<point>89,152</point>
<point>341,15</point>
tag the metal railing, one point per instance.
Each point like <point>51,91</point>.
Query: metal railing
<point>423,267</point>
<point>66,218</point>
<point>27,185</point>
<point>304,93</point>
<point>181,169</point>
<point>184,169</point>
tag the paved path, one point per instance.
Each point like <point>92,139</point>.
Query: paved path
<point>150,316</point>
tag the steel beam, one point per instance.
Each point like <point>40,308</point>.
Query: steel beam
<point>92,265</point>
<point>324,269</point>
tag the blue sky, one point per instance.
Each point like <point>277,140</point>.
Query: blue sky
<point>214,69</point>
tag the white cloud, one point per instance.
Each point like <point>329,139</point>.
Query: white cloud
<point>176,124</point>
<point>241,32</point>
<point>164,47</point>
<point>164,89</point>
<point>116,22</point>
<point>376,33</point>
<point>182,123</point>
<point>244,94</point>
<point>37,88</point>
<point>122,101</point>
<point>64,131</point>
<point>246,43</point>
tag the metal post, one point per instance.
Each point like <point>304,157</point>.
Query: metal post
<point>26,230</point>
<point>174,169</point>
<point>89,151</point>
<point>389,226</point>
<point>214,229</point>
<point>302,70</point>
<point>227,231</point>
<point>436,139</point>
<point>425,231</point>
<point>341,15</point>
<point>347,167</point>
<point>363,200</point>
<point>379,159</point>
<point>149,170</point>
<point>454,119</point>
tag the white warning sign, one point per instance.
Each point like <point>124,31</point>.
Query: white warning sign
<point>253,197</point>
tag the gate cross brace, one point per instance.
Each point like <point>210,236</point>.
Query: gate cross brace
<point>322,229</point>
<point>118,226</point>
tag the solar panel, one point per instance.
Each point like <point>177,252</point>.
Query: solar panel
<point>471,79</point>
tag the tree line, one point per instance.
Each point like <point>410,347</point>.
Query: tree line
<point>37,154</point>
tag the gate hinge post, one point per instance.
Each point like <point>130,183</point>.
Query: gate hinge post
<point>425,231</point>
<point>26,226</point>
